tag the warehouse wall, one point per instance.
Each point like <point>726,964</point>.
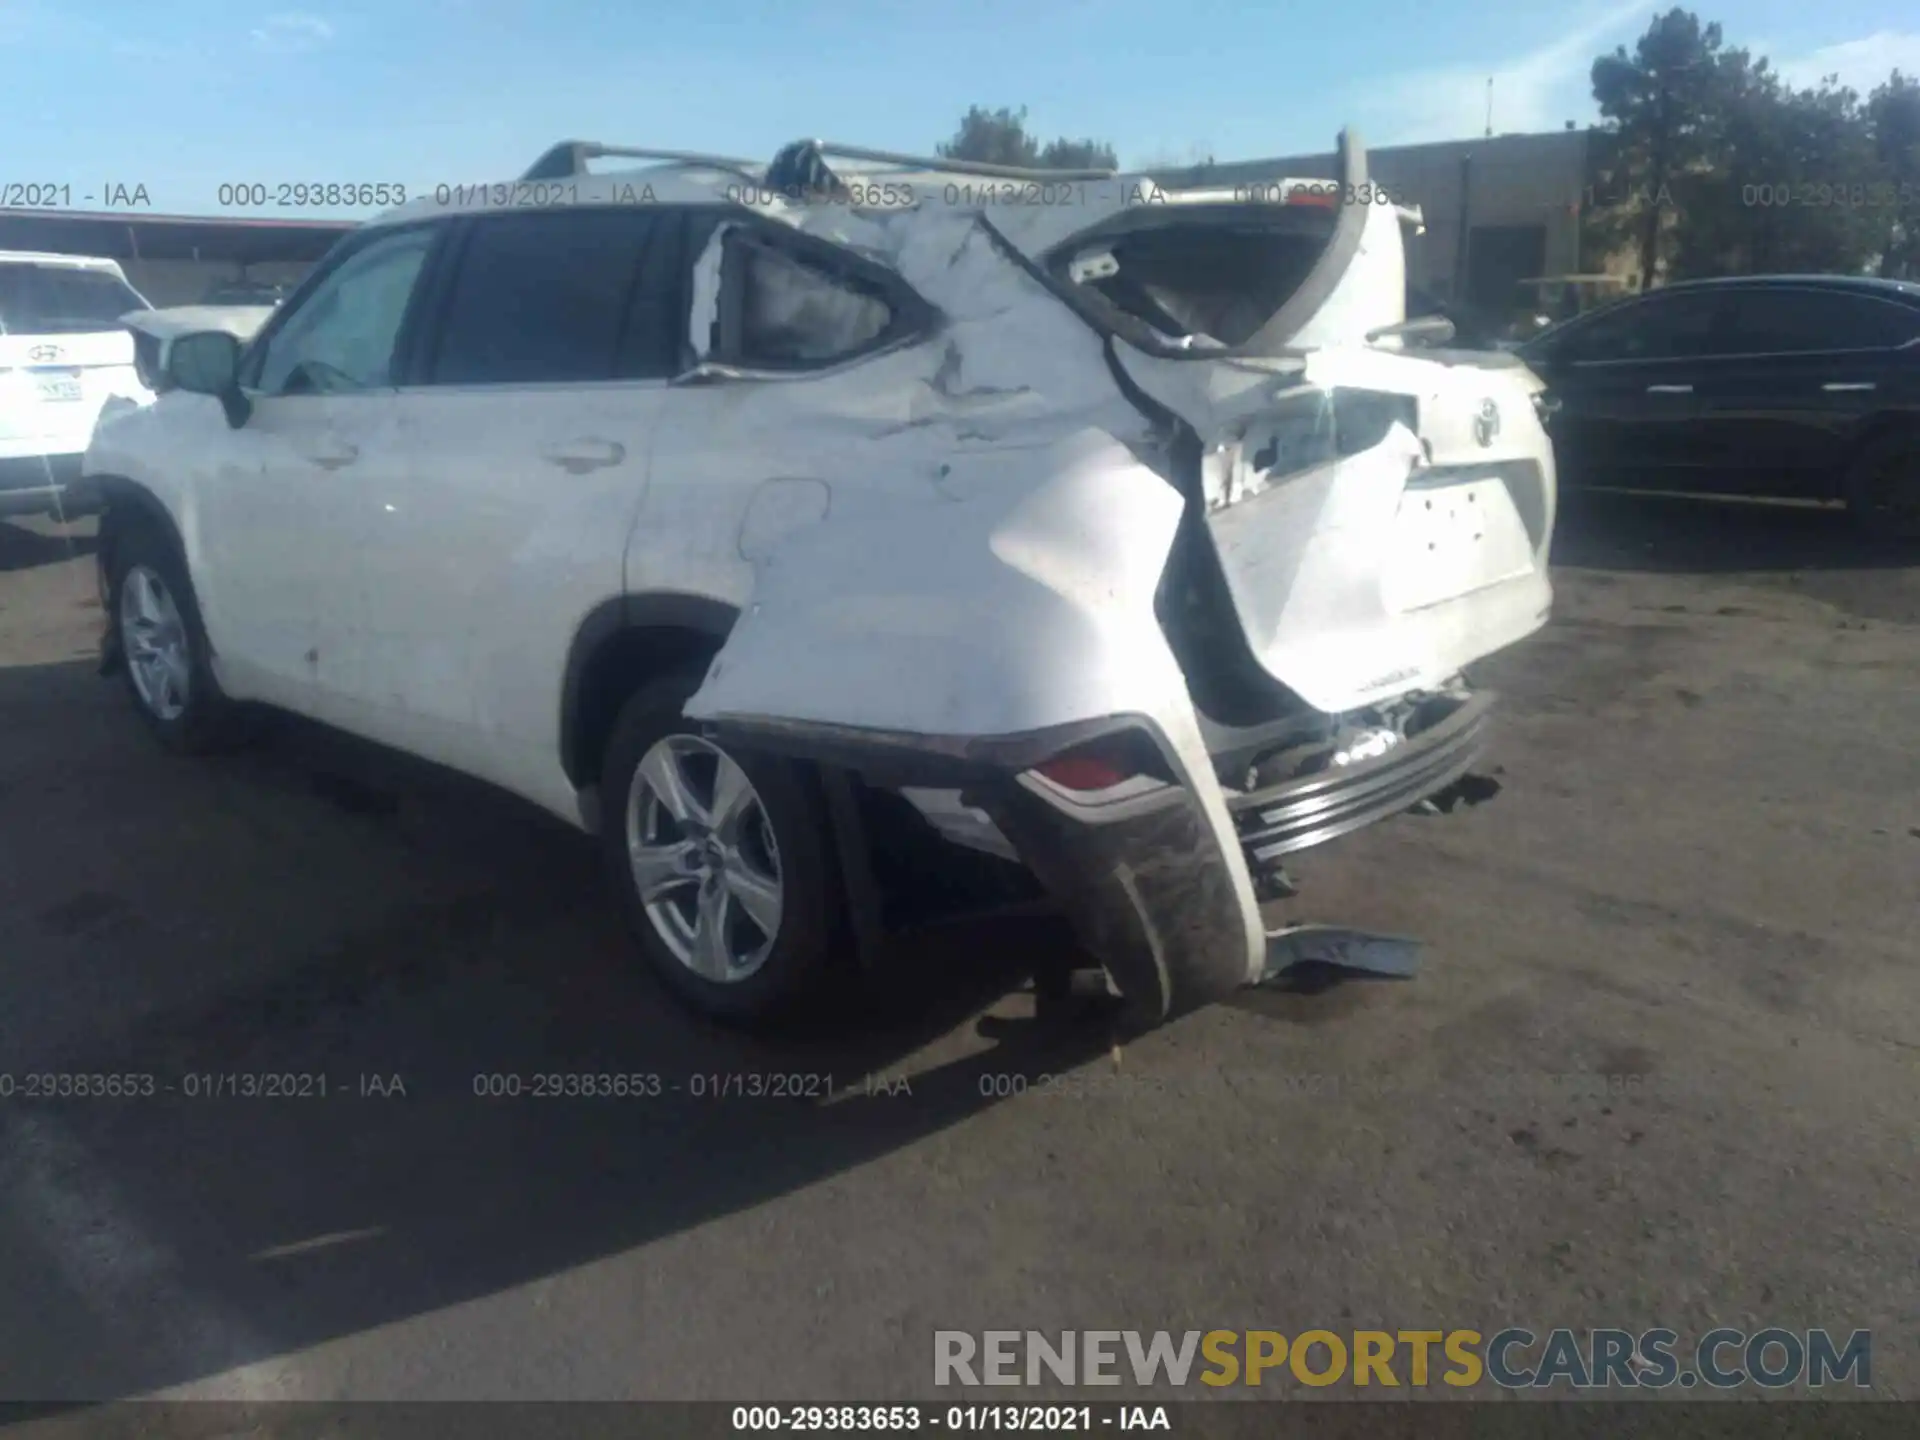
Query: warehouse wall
<point>186,282</point>
<point>1512,181</point>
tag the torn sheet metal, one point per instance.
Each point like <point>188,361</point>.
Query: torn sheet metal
<point>1394,956</point>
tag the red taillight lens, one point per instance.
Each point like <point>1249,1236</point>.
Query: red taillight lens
<point>1101,764</point>
<point>1083,771</point>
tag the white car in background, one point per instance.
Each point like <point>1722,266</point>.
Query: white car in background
<point>1133,536</point>
<point>64,354</point>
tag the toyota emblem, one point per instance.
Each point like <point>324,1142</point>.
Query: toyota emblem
<point>1486,425</point>
<point>44,352</point>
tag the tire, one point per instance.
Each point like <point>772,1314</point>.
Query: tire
<point>152,608</point>
<point>677,933</point>
<point>1883,486</point>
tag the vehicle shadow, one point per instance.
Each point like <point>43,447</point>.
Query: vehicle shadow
<point>418,945</point>
<point>27,544</point>
<point>1620,530</point>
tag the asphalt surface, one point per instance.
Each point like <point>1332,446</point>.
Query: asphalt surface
<point>1660,1068</point>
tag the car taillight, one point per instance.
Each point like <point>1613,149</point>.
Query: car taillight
<point>1106,762</point>
<point>1083,772</point>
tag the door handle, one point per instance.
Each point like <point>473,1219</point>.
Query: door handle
<point>577,457</point>
<point>333,456</point>
<point>1669,389</point>
<point>1835,387</point>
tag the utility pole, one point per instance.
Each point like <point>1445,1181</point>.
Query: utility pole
<point>1489,107</point>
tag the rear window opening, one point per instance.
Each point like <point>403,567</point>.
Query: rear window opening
<point>1208,280</point>
<point>62,300</point>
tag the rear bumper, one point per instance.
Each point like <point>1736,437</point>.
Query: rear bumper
<point>1275,822</point>
<point>1157,877</point>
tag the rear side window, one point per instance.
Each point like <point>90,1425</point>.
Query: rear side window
<point>562,295</point>
<point>780,310</point>
<point>1670,327</point>
<point>1776,322</point>
<point>62,300</point>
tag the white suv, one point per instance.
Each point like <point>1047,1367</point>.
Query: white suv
<point>1129,535</point>
<point>63,355</point>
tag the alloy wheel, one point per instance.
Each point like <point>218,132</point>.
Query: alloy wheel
<point>703,857</point>
<point>155,637</point>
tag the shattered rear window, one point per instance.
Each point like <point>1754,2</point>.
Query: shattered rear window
<point>793,312</point>
<point>1209,282</point>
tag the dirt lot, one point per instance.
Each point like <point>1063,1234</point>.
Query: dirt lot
<point>1660,1069</point>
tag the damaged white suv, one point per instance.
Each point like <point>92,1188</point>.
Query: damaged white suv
<point>1132,536</point>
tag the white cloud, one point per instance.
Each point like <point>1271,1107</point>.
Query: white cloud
<point>1861,64</point>
<point>291,33</point>
<point>1541,89</point>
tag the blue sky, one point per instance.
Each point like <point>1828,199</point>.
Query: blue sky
<point>183,95</point>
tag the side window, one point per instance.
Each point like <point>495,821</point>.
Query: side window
<point>779,310</point>
<point>1662,328</point>
<point>342,337</point>
<point>562,295</point>
<point>1780,322</point>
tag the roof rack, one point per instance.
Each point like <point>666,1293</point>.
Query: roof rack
<point>570,158</point>
<point>942,162</point>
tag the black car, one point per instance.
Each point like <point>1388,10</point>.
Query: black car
<point>1790,385</point>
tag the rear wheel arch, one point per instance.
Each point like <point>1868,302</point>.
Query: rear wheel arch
<point>622,644</point>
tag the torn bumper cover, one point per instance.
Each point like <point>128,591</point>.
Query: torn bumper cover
<point>1276,821</point>
<point>1157,890</point>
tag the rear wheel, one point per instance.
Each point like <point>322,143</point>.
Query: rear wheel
<point>1883,485</point>
<point>720,859</point>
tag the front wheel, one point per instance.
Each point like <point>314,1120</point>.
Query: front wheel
<point>720,860</point>
<point>163,648</point>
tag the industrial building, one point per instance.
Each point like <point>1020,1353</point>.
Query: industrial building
<point>1498,210</point>
<point>177,259</point>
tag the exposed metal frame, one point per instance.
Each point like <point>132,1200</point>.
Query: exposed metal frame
<point>961,167</point>
<point>570,158</point>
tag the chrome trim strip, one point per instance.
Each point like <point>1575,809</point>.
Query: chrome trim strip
<point>1303,813</point>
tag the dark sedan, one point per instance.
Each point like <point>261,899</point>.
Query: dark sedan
<point>1804,386</point>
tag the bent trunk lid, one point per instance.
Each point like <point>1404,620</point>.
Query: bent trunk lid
<point>1380,512</point>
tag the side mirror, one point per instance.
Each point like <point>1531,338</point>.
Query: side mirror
<point>207,362</point>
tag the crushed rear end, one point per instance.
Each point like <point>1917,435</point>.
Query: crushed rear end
<point>1174,619</point>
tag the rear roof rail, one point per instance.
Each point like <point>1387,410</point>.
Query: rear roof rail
<point>942,162</point>
<point>570,158</point>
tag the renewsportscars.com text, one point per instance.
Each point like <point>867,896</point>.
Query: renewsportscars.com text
<point>1514,1358</point>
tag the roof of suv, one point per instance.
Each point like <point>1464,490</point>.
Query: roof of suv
<point>1902,290</point>
<point>47,257</point>
<point>1034,208</point>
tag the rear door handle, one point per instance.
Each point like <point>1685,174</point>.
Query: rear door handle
<point>587,453</point>
<point>1669,389</point>
<point>1836,387</point>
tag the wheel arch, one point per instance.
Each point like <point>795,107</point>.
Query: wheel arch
<point>129,503</point>
<point>623,642</point>
<point>129,506</point>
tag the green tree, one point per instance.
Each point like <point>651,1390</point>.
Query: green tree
<point>1656,105</point>
<point>1785,180</point>
<point>999,137</point>
<point>1893,121</point>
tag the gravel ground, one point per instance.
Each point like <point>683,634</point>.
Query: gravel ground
<point>1660,1067</point>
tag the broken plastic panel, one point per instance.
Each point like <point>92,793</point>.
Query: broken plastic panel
<point>1211,277</point>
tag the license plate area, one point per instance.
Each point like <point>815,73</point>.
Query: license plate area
<point>1450,540</point>
<point>64,386</point>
